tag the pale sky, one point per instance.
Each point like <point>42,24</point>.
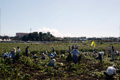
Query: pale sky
<point>90,18</point>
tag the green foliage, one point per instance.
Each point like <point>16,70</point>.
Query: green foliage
<point>35,36</point>
<point>62,51</point>
<point>26,77</point>
<point>27,68</point>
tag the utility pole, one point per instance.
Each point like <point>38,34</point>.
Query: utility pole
<point>119,35</point>
<point>119,31</point>
<point>30,30</point>
<point>0,22</point>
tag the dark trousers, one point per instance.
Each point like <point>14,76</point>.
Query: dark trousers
<point>26,54</point>
<point>75,59</point>
<point>108,76</point>
<point>14,60</point>
<point>109,53</point>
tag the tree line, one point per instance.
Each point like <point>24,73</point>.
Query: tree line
<point>35,36</point>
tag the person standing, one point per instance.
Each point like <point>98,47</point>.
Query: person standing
<point>73,47</point>
<point>76,46</point>
<point>18,49</point>
<point>53,49</point>
<point>13,54</point>
<point>69,57</point>
<point>26,51</point>
<point>75,53</point>
<point>109,51</point>
<point>112,53</point>
<point>17,53</point>
<point>69,49</point>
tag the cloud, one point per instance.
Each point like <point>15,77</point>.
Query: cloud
<point>55,32</point>
<point>68,35</point>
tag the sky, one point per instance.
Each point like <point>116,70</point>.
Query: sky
<point>63,18</point>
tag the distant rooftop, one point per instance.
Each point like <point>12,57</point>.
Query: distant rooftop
<point>20,34</point>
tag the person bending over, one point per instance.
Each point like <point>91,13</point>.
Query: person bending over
<point>110,71</point>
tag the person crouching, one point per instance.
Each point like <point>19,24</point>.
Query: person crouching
<point>5,55</point>
<point>52,62</point>
<point>100,56</point>
<point>111,71</point>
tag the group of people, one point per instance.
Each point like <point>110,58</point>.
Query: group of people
<point>44,56</point>
<point>74,56</point>
<point>12,54</point>
<point>73,50</point>
<point>112,52</point>
<point>98,55</point>
<point>111,70</point>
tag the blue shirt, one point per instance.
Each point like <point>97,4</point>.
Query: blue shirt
<point>13,54</point>
<point>5,55</point>
<point>75,52</point>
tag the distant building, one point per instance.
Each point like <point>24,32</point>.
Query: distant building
<point>118,38</point>
<point>83,38</point>
<point>93,38</point>
<point>21,34</point>
<point>75,38</point>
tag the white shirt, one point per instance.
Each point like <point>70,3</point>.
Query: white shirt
<point>86,53</point>
<point>19,50</point>
<point>35,55</point>
<point>111,70</point>
<point>52,61</point>
<point>117,52</point>
<point>102,53</point>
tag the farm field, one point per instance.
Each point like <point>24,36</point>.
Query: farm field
<point>27,68</point>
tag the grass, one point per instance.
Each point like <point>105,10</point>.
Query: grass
<point>26,68</point>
